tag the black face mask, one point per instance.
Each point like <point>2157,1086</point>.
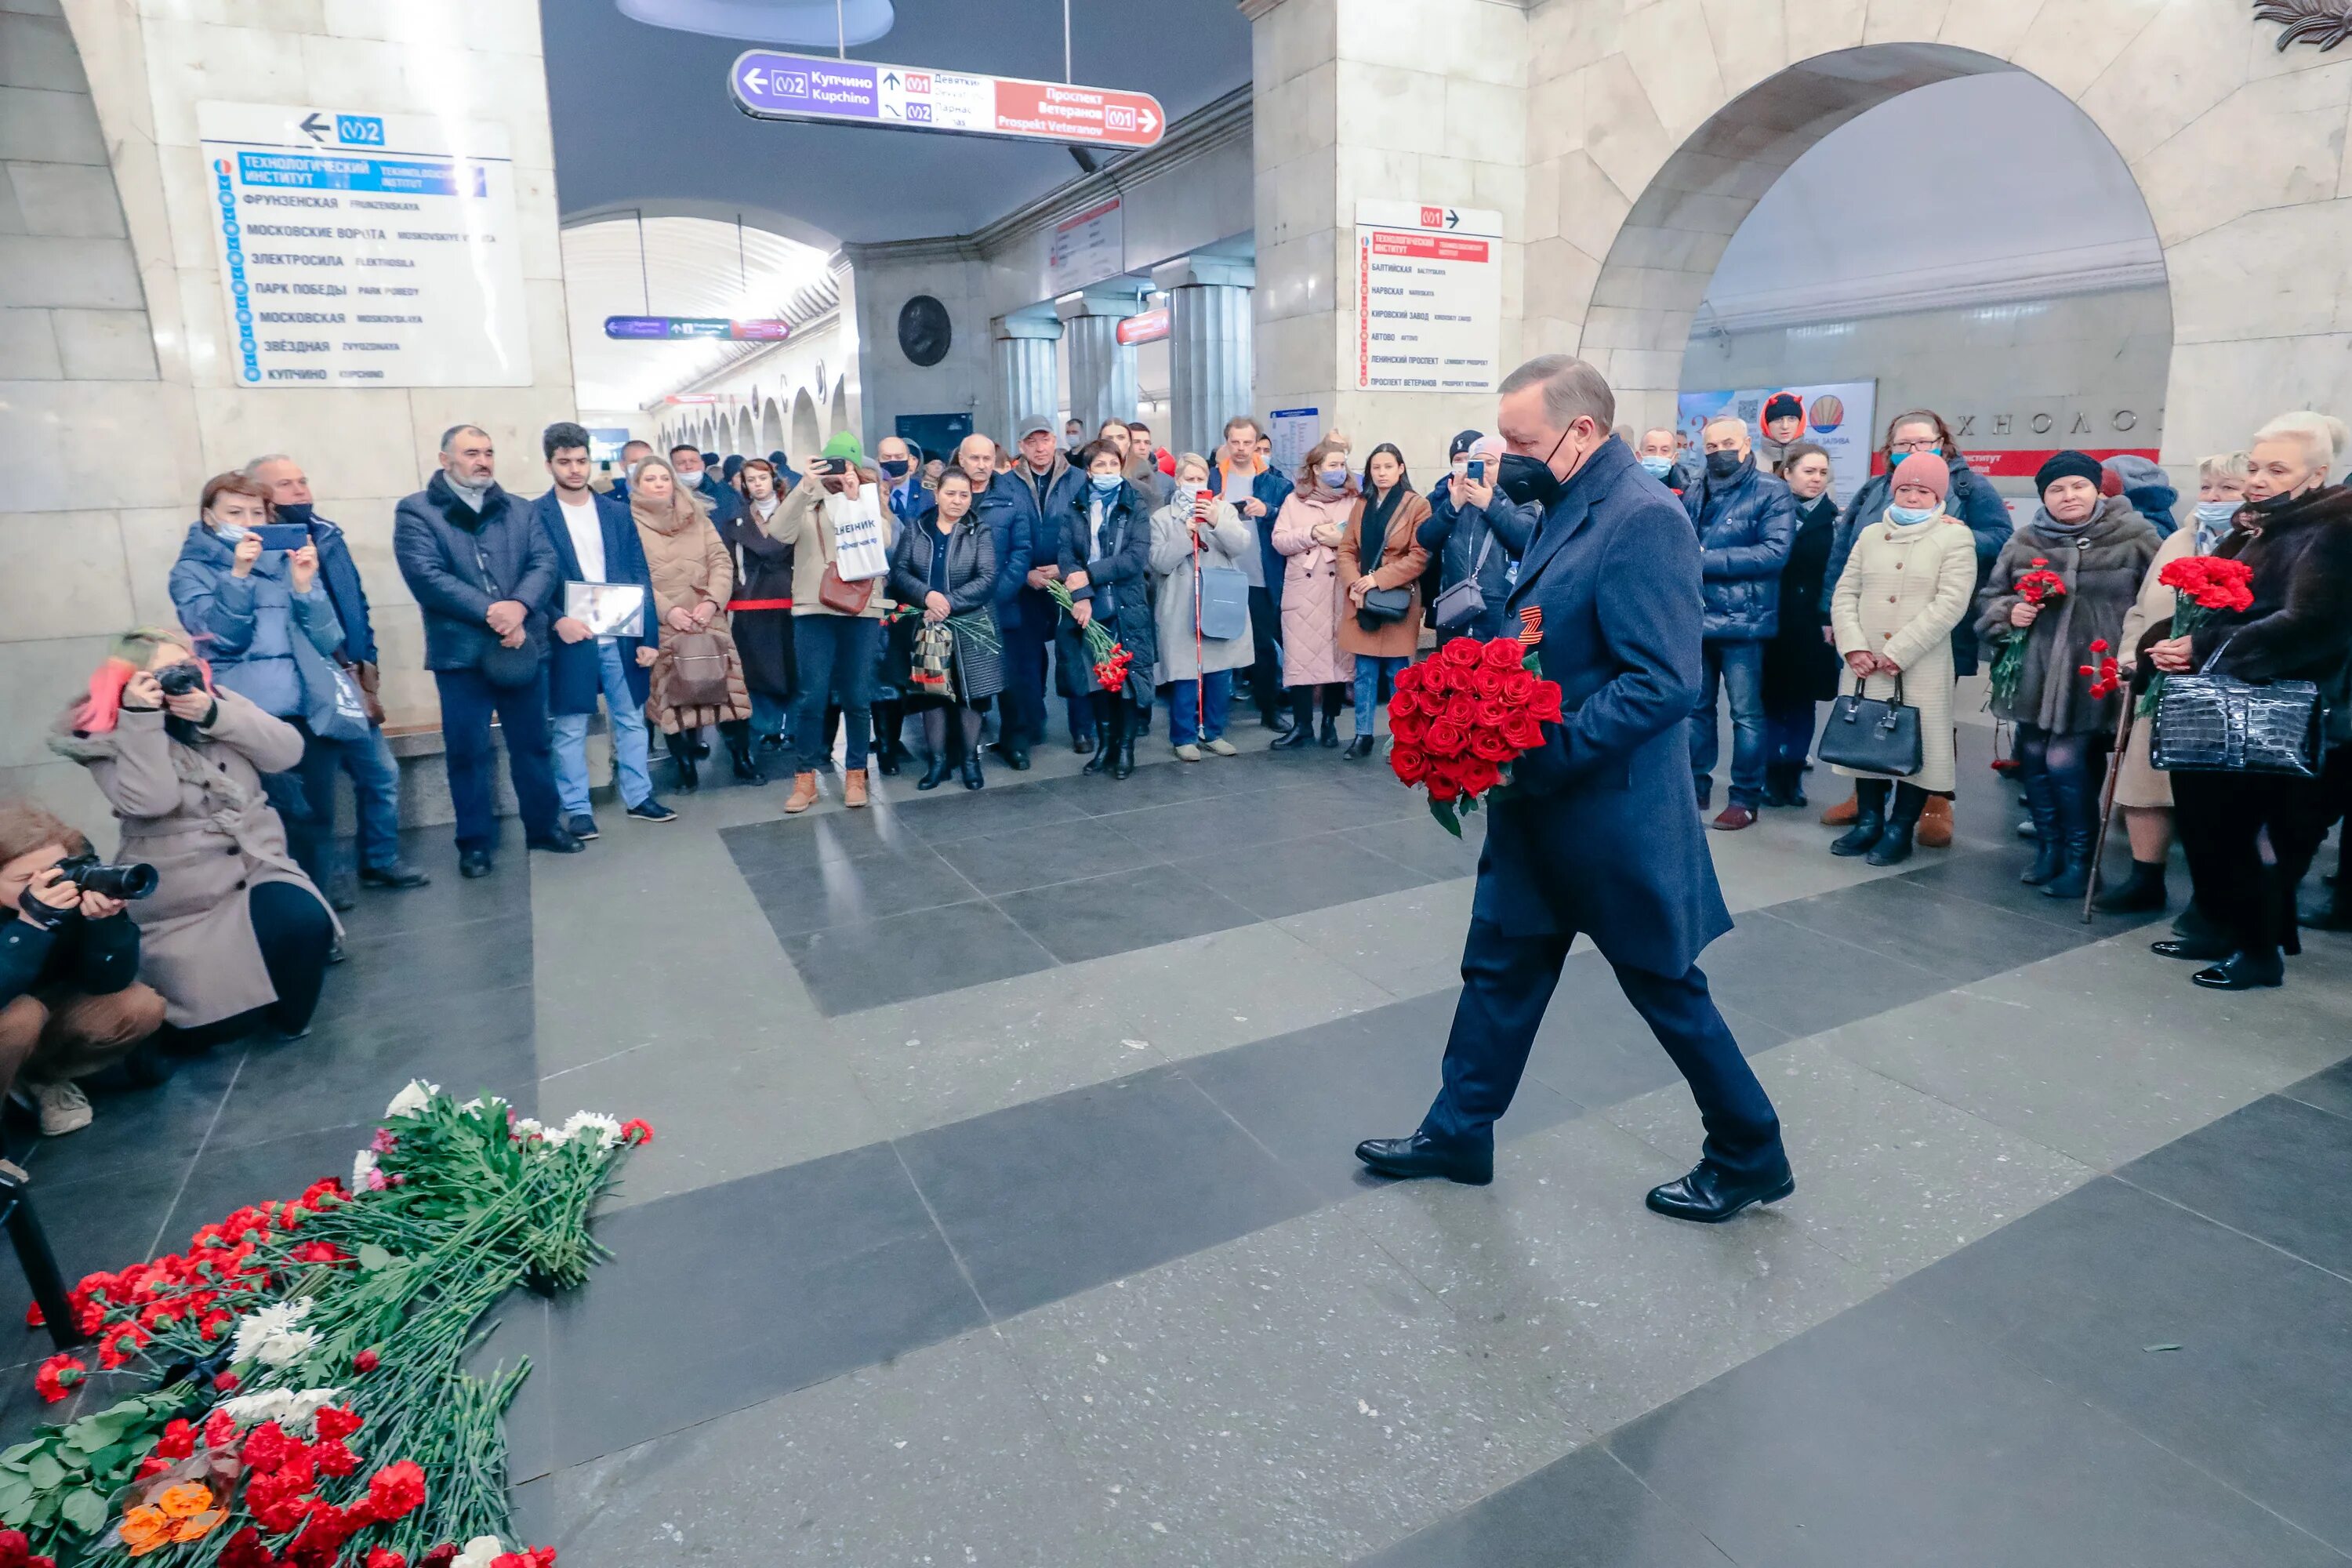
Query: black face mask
<point>896,466</point>
<point>295,512</point>
<point>1526,479</point>
<point>2272,505</point>
<point>1724,464</point>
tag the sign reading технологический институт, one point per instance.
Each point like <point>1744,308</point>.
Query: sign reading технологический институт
<point>771,86</point>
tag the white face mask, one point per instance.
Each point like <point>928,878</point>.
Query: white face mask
<point>1461,468</point>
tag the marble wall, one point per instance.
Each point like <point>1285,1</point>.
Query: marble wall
<point>115,399</point>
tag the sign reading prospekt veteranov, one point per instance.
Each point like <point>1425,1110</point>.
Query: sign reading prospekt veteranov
<point>364,249</point>
<point>1429,297</point>
<point>768,85</point>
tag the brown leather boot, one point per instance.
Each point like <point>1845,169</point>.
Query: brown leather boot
<point>1935,822</point>
<point>803,794</point>
<point>853,788</point>
<point>1841,815</point>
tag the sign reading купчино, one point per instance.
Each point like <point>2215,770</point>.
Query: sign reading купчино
<point>771,86</point>
<point>364,249</point>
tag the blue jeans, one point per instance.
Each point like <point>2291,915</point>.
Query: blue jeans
<point>1789,734</point>
<point>468,700</point>
<point>1738,668</point>
<point>1193,716</point>
<point>628,720</point>
<point>768,715</point>
<point>834,655</point>
<point>1369,668</point>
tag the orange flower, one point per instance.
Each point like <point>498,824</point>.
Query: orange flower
<point>184,1500</point>
<point>144,1530</point>
<point>183,1511</point>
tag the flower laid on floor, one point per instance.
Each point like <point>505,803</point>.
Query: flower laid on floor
<point>2037,586</point>
<point>1461,718</point>
<point>307,1356</point>
<point>2201,585</point>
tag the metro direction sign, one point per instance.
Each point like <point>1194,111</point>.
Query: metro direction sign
<point>666,326</point>
<point>770,86</point>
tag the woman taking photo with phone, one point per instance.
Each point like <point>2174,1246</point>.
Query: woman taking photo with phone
<point>245,587</point>
<point>1194,536</point>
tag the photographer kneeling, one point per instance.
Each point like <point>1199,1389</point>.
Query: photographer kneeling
<point>236,935</point>
<point>70,1001</point>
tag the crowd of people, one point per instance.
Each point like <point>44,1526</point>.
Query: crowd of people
<point>803,614</point>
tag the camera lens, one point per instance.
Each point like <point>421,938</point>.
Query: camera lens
<point>179,679</point>
<point>133,879</point>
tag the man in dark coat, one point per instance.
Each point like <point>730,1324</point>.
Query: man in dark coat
<point>1595,833</point>
<point>1052,486</point>
<point>632,454</point>
<point>595,540</point>
<point>375,776</point>
<point>483,573</point>
<point>1745,520</point>
<point>1006,506</point>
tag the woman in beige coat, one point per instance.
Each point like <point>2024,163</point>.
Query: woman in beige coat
<point>235,936</point>
<point>2143,794</point>
<point>1909,581</point>
<point>693,573</point>
<point>1308,532</point>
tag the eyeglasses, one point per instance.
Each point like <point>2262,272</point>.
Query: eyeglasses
<point>1916,444</point>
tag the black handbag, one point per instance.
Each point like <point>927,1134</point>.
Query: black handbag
<point>1384,605</point>
<point>2217,723</point>
<point>503,667</point>
<point>1871,736</point>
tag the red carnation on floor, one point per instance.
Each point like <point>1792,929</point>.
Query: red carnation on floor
<point>245,1550</point>
<point>179,1439</point>
<point>366,1360</point>
<point>637,1130</point>
<point>397,1489</point>
<point>385,1557</point>
<point>17,1552</point>
<point>57,1377</point>
<point>266,1447</point>
<point>334,1422</point>
<point>226,1381</point>
<point>33,1319</point>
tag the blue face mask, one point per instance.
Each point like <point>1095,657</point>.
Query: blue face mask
<point>1334,481</point>
<point>229,533</point>
<point>1931,451</point>
<point>1911,513</point>
<point>1659,467</point>
<point>2213,513</point>
<point>1104,484</point>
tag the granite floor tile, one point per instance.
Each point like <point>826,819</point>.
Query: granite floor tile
<point>1099,794</point>
<point>720,1299</point>
<point>449,898</point>
<point>1802,982</point>
<point>1021,858</point>
<point>1886,1435</point>
<point>1417,842</point>
<point>1182,830</point>
<point>2329,1091</point>
<point>140,1128</point>
<point>1564,1272</point>
<point>2258,1389</point>
<point>852,893</point>
<point>943,818</point>
<point>1271,880</point>
<point>1586,1511</point>
<point>1891,1180</point>
<point>1989,876</point>
<point>942,1454</point>
<point>1101,915</point>
<point>1403,944</point>
<point>100,1222</point>
<point>1055,1197</point>
<point>1902,919</point>
<point>1291,1398</point>
<point>384,975</point>
<point>793,843</point>
<point>851,967</point>
<point>2267,1169</point>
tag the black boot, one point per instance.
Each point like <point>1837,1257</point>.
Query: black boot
<point>1784,783</point>
<point>1302,721</point>
<point>747,766</point>
<point>937,773</point>
<point>1869,820</point>
<point>1112,727</point>
<point>1130,724</point>
<point>1331,731</point>
<point>2078,834</point>
<point>1894,846</point>
<point>1360,748</point>
<point>2141,891</point>
<point>972,775</point>
<point>681,751</point>
<point>2048,848</point>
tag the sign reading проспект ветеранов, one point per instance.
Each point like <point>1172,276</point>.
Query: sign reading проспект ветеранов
<point>364,249</point>
<point>767,85</point>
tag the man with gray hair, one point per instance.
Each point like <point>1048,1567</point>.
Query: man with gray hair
<point>375,776</point>
<point>1596,834</point>
<point>485,577</point>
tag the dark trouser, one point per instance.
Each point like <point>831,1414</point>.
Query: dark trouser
<point>295,933</point>
<point>2219,817</point>
<point>1789,734</point>
<point>304,798</point>
<point>1265,671</point>
<point>1738,668</point>
<point>1024,698</point>
<point>468,700</point>
<point>835,656</point>
<point>1506,984</point>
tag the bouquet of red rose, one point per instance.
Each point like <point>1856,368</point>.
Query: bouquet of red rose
<point>1105,652</point>
<point>1459,719</point>
<point>2037,586</point>
<point>2201,585</point>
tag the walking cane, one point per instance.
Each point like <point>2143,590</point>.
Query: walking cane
<point>2107,799</point>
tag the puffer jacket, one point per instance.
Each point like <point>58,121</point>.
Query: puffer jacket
<point>1457,535</point>
<point>2103,566</point>
<point>1971,498</point>
<point>246,626</point>
<point>1746,525</point>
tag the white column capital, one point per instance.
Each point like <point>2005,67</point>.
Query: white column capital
<point>1205,273</point>
<point>1119,298</point>
<point>1024,326</point>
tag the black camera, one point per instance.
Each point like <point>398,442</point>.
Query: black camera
<point>180,679</point>
<point>87,872</point>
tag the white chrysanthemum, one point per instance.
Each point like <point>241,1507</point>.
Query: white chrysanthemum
<point>480,1553</point>
<point>607,1129</point>
<point>527,1127</point>
<point>415,1097</point>
<point>365,1177</point>
<point>273,1335</point>
<point>292,1411</point>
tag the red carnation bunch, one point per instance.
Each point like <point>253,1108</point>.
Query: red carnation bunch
<point>2041,583</point>
<point>2105,673</point>
<point>1461,718</point>
<point>2201,585</point>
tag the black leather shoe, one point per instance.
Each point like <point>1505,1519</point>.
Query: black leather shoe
<point>1291,740</point>
<point>1124,764</point>
<point>1418,1155</point>
<point>2243,972</point>
<point>1083,744</point>
<point>400,874</point>
<point>2194,949</point>
<point>1893,847</point>
<point>1104,755</point>
<point>1868,828</point>
<point>1359,749</point>
<point>934,774</point>
<point>1710,1194</point>
<point>1331,733</point>
<point>1016,754</point>
<point>556,841</point>
<point>972,778</point>
<point>472,863</point>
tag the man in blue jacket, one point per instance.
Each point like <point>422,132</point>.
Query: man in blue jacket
<point>1243,477</point>
<point>1594,834</point>
<point>1051,486</point>
<point>1746,521</point>
<point>375,775</point>
<point>483,574</point>
<point>595,540</point>
<point>1003,504</point>
<point>726,506</point>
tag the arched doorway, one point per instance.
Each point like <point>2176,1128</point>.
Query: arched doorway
<point>747,433</point>
<point>839,419</point>
<point>1661,140</point>
<point>771,428</point>
<point>808,436</point>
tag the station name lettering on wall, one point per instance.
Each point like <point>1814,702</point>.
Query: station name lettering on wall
<point>364,249</point>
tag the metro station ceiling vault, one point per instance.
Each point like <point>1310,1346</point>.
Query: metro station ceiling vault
<point>643,120</point>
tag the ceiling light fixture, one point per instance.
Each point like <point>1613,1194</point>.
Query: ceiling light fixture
<point>838,23</point>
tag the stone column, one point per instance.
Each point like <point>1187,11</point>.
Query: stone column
<point>1208,346</point>
<point>1102,369</point>
<point>1025,379</point>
